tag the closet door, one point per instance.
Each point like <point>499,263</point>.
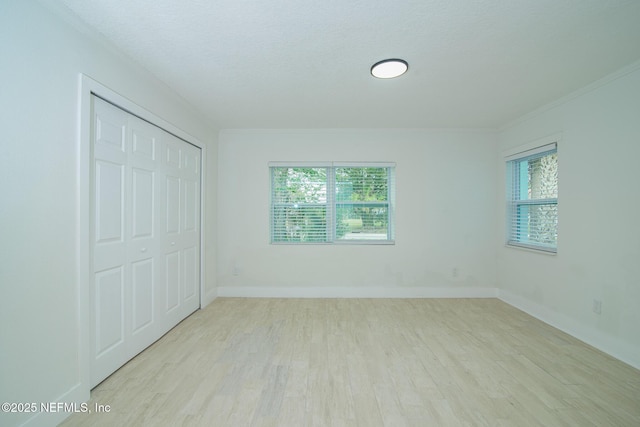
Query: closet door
<point>190,295</point>
<point>172,233</point>
<point>181,239</point>
<point>143,246</point>
<point>109,287</point>
<point>145,235</point>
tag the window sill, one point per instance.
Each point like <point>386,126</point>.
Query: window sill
<point>532,249</point>
<point>340,243</point>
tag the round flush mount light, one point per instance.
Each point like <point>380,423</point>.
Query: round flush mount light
<point>389,68</point>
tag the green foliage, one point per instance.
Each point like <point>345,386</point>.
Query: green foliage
<point>300,185</point>
<point>299,201</point>
<point>363,185</point>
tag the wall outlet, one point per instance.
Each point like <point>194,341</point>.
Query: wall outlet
<point>455,272</point>
<point>236,269</point>
<point>597,306</point>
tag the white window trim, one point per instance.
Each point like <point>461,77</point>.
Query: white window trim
<point>541,145</point>
<point>331,229</point>
<point>520,150</point>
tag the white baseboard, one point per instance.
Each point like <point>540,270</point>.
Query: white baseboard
<point>209,297</point>
<point>74,398</point>
<point>355,292</point>
<point>625,352</point>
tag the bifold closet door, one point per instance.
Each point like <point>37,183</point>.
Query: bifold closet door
<point>145,235</point>
<point>181,234</point>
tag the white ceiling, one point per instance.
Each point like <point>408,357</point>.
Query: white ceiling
<point>305,63</point>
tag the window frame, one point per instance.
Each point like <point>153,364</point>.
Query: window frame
<point>530,151</point>
<point>332,204</point>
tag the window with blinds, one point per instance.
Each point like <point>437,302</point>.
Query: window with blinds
<point>333,203</point>
<point>532,201</point>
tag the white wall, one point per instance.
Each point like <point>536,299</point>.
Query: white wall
<point>211,223</point>
<point>42,57</point>
<point>599,229</point>
<point>445,216</point>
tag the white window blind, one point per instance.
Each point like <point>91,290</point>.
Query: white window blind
<point>532,198</point>
<point>299,204</point>
<point>340,203</point>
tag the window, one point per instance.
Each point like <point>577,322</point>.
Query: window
<point>532,198</point>
<point>333,203</point>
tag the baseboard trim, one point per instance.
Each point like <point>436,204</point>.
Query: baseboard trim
<point>74,398</point>
<point>208,298</point>
<point>622,351</point>
<point>355,292</point>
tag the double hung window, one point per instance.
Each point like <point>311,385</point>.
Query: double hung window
<point>532,198</point>
<point>332,203</point>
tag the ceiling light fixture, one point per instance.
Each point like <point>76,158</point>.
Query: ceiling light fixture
<point>389,68</point>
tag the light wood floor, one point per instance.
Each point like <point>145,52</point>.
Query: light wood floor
<point>367,362</point>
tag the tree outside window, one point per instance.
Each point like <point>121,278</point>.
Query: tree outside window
<point>328,204</point>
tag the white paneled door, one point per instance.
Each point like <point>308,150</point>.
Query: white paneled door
<point>145,235</point>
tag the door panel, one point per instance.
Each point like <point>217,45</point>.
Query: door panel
<point>172,280</point>
<point>144,143</point>
<point>173,205</point>
<point>191,207</point>
<point>109,202</point>
<point>108,319</point>
<point>191,273</point>
<point>143,272</point>
<point>143,195</point>
<point>110,128</point>
<point>174,156</point>
<point>143,251</point>
<point>190,174</point>
<point>108,323</point>
<point>192,161</point>
<point>109,310</point>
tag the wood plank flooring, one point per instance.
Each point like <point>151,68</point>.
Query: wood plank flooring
<point>367,362</point>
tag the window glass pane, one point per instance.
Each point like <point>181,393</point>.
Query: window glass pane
<point>299,199</point>
<point>537,177</point>
<point>537,224</point>
<point>298,223</point>
<point>359,213</point>
<point>533,215</point>
<point>323,204</point>
<point>362,222</point>
<point>305,185</point>
<point>362,184</point>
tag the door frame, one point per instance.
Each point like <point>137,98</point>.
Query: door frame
<point>87,88</point>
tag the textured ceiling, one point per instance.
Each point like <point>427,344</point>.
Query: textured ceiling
<point>305,63</point>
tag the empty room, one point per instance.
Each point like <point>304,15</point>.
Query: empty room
<point>329,213</point>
